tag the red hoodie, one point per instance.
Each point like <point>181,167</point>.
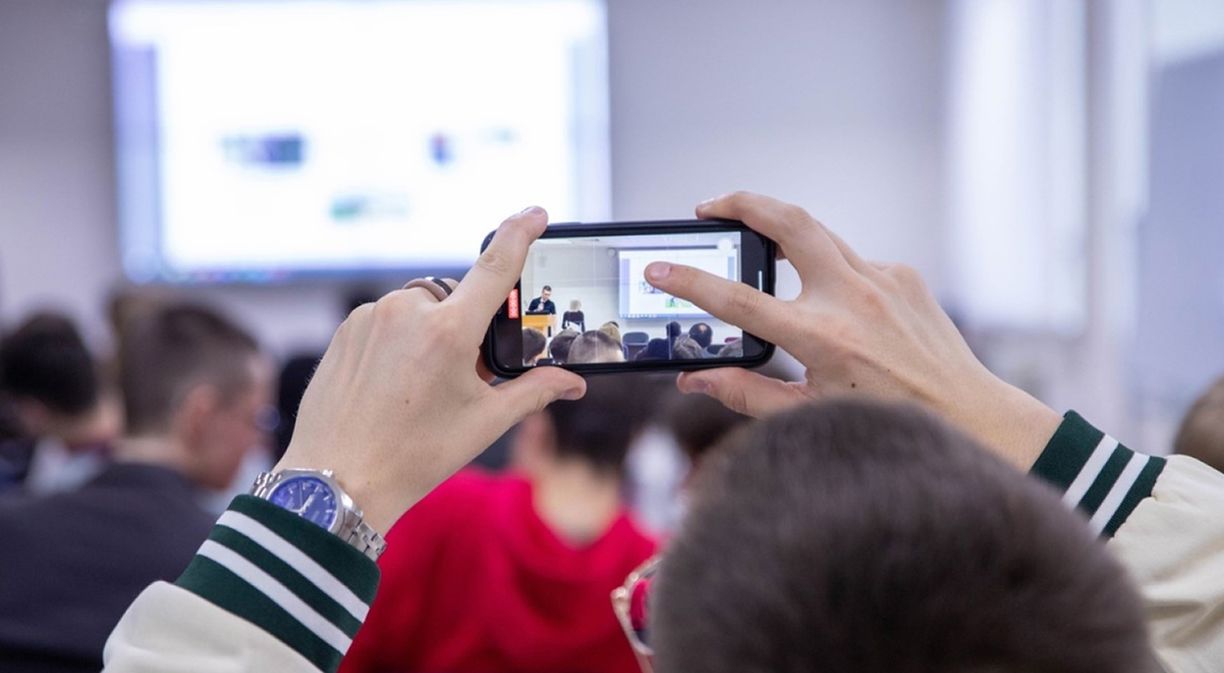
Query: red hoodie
<point>475,582</point>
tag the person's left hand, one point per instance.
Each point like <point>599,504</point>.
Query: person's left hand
<point>396,405</point>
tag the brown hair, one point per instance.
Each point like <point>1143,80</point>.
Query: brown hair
<point>594,346</point>
<point>533,343</point>
<point>170,350</point>
<point>1201,434</point>
<point>861,537</point>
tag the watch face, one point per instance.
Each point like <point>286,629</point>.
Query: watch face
<point>308,497</point>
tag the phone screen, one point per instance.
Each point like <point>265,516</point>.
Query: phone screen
<point>583,301</point>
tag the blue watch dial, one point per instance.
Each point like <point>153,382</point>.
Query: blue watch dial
<point>308,497</point>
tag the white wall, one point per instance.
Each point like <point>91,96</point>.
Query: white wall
<point>832,104</point>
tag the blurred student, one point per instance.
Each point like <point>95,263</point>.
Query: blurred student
<point>193,386</point>
<point>733,349</point>
<point>612,329</point>
<point>543,303</point>
<point>511,574</point>
<point>64,416</point>
<point>559,347</point>
<point>1201,434</point>
<point>698,423</point>
<point>574,318</point>
<point>853,536</point>
<point>656,349</point>
<point>702,333</point>
<point>594,347</point>
<point>687,348</point>
<point>533,345</point>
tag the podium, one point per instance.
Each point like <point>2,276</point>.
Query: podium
<point>545,322</point>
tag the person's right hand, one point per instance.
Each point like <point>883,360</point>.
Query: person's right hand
<point>859,328</point>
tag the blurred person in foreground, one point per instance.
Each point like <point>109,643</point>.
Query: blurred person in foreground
<point>1201,434</point>
<point>64,416</point>
<point>519,567</point>
<point>534,343</point>
<point>559,347</point>
<point>193,386</point>
<point>595,347</point>
<point>400,403</point>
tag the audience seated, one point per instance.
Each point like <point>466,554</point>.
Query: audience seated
<point>1201,434</point>
<point>193,387</point>
<point>674,330</point>
<point>593,347</point>
<point>687,348</point>
<point>612,329</point>
<point>702,333</point>
<point>574,318</point>
<point>512,573</point>
<point>732,349</point>
<point>860,537</point>
<point>559,348</point>
<point>533,345</point>
<point>656,349</point>
<point>62,416</point>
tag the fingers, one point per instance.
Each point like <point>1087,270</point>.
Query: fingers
<point>814,250</point>
<point>531,392</point>
<point>497,270</point>
<point>730,301</point>
<point>742,391</point>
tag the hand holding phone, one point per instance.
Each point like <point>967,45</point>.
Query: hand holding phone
<point>584,303</point>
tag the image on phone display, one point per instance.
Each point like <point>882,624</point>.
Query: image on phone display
<point>583,302</point>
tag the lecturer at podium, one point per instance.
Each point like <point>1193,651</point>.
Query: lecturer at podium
<point>542,303</point>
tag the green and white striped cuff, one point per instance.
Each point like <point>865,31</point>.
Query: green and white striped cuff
<point>1098,475</point>
<point>299,583</point>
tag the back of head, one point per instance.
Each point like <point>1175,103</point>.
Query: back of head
<point>698,422</point>
<point>613,330</point>
<point>599,428</point>
<point>173,349</point>
<point>533,343</point>
<point>559,348</point>
<point>867,538</point>
<point>702,334</point>
<point>595,346</point>
<point>673,330</point>
<point>656,349</point>
<point>686,348</point>
<point>46,360</point>
<point>1201,434</point>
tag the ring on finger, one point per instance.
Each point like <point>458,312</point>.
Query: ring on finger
<point>438,287</point>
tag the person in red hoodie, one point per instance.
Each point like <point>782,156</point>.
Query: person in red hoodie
<point>512,573</point>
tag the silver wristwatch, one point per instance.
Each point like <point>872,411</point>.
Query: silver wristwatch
<point>316,496</point>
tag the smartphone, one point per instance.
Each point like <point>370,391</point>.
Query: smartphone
<point>583,302</point>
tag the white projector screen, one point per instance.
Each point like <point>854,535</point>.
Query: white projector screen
<point>271,139</point>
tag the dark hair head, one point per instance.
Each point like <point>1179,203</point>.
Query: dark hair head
<point>595,346</point>
<point>45,359</point>
<point>600,427</point>
<point>547,288</point>
<point>656,349</point>
<point>674,329</point>
<point>172,349</point>
<point>533,342</point>
<point>1201,434</point>
<point>698,422</point>
<point>559,348</point>
<point>702,334</point>
<point>860,537</point>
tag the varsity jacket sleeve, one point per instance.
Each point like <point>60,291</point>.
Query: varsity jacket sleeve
<point>268,591</point>
<point>1164,519</point>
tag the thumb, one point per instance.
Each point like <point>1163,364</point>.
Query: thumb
<point>743,391</point>
<point>519,398</point>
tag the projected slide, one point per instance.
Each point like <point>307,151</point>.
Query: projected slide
<point>639,299</point>
<point>332,136</point>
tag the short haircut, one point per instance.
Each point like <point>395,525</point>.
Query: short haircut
<point>702,334</point>
<point>674,329</point>
<point>698,422</point>
<point>687,348</point>
<point>732,349</point>
<point>1201,434</point>
<point>533,343</point>
<point>559,348</point>
<point>546,288</point>
<point>594,346</point>
<point>600,427</point>
<point>45,359</point>
<point>861,537</point>
<point>172,349</point>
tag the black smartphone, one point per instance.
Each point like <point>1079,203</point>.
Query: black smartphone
<point>583,302</point>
